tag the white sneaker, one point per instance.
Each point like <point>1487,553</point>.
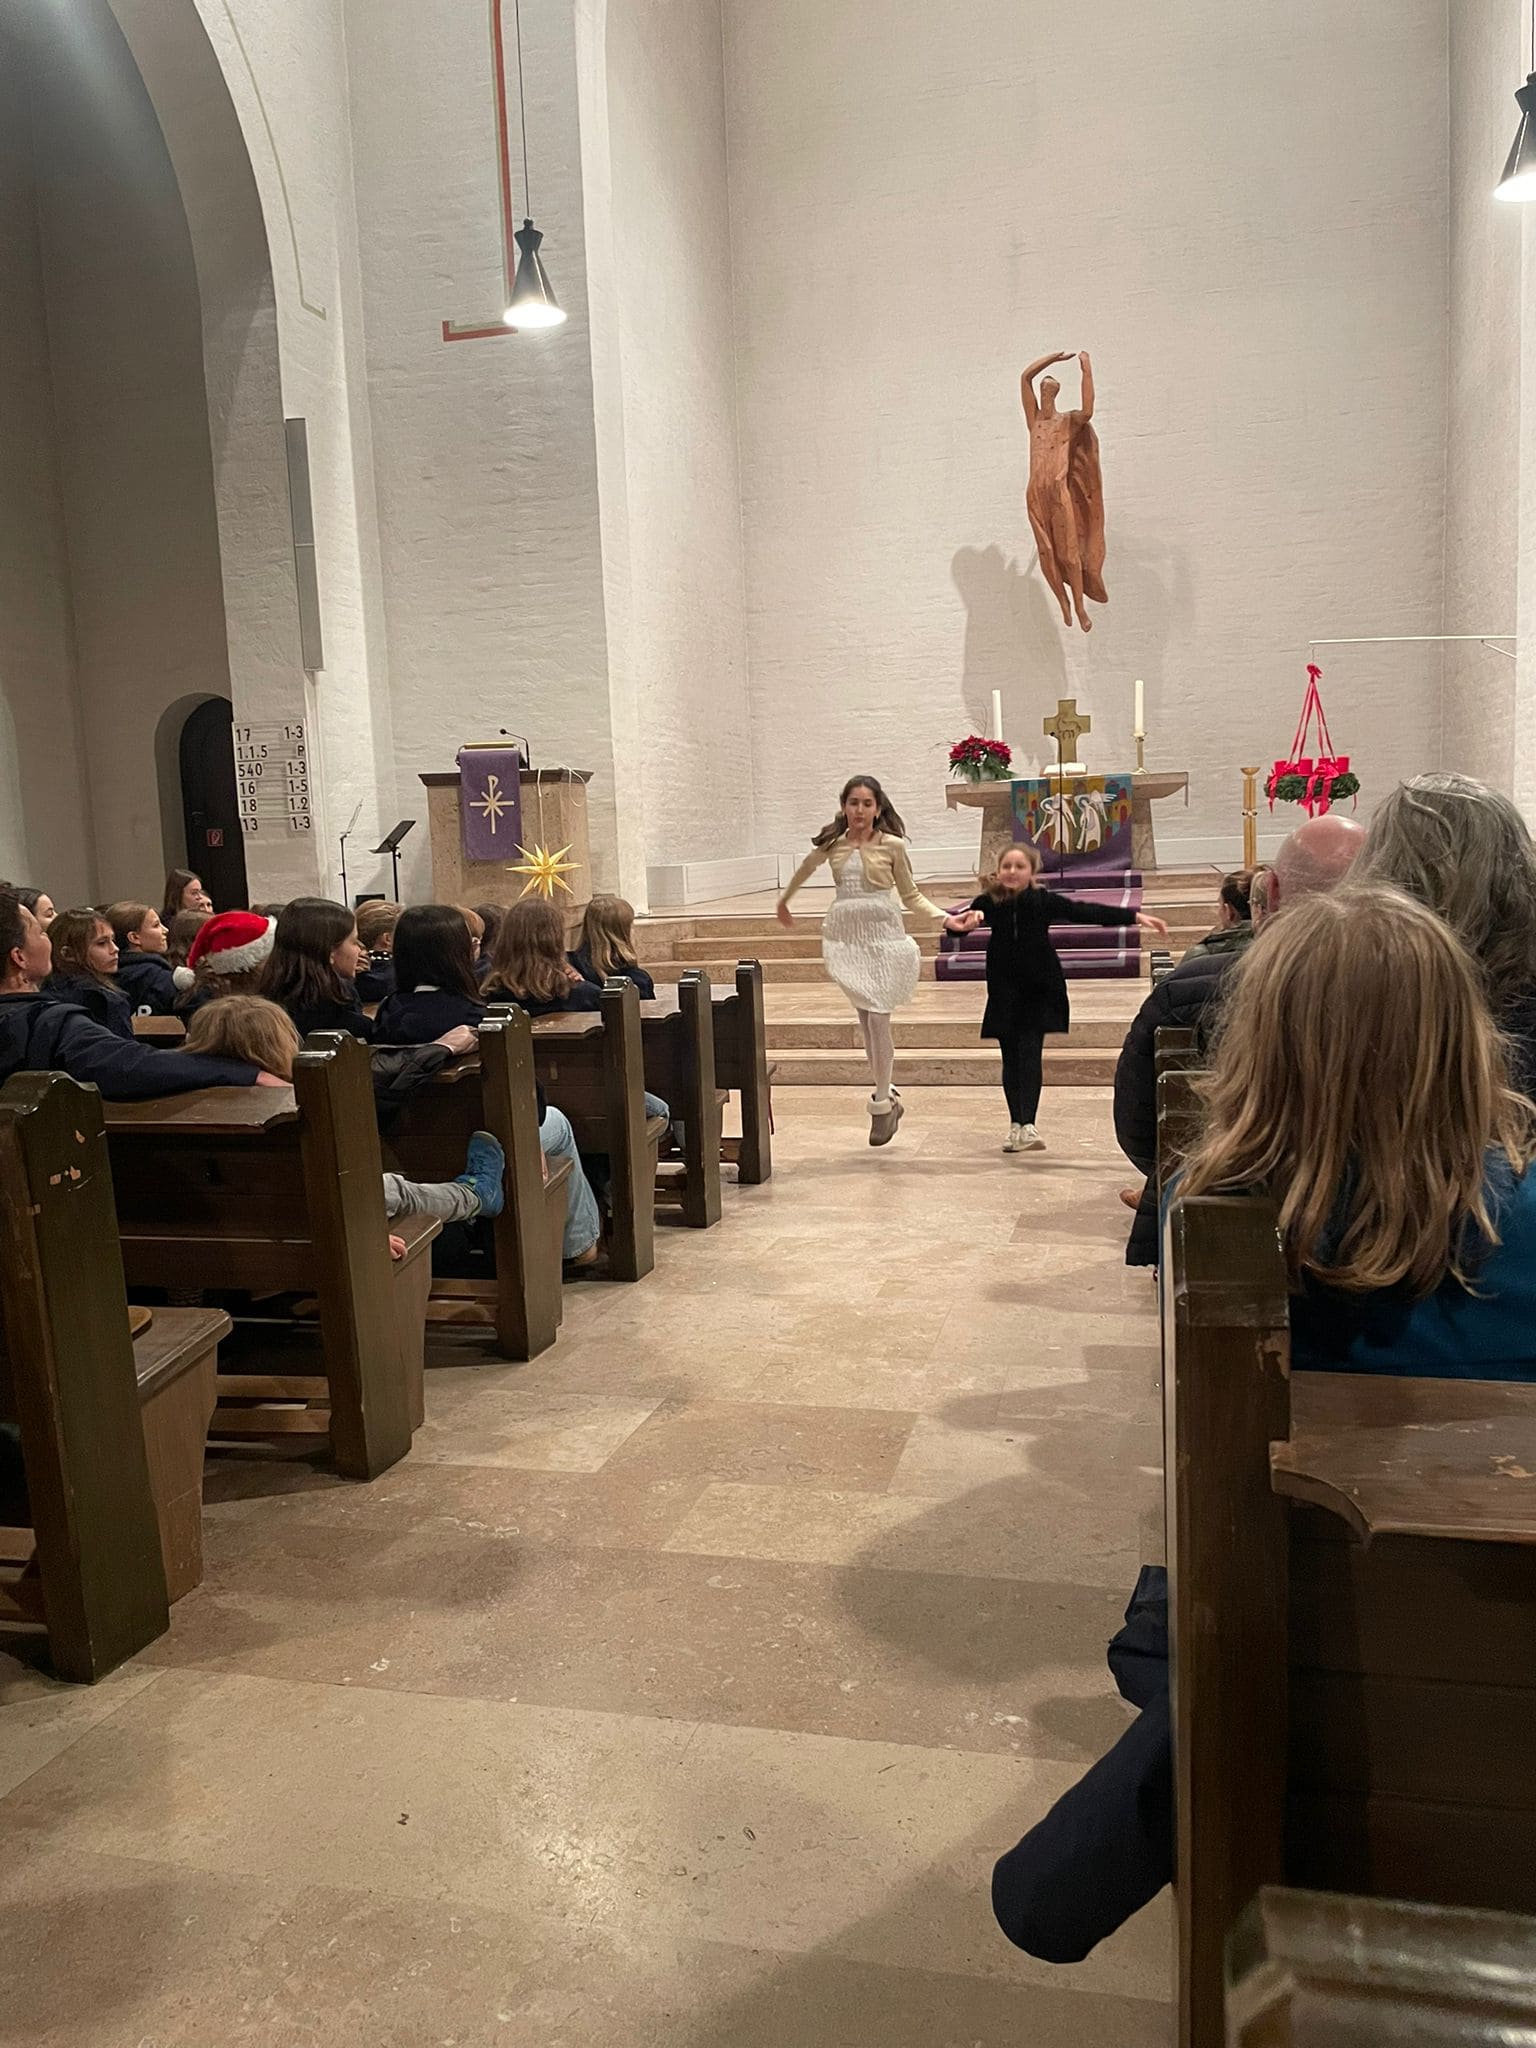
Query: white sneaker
<point>1014,1142</point>
<point>1031,1140</point>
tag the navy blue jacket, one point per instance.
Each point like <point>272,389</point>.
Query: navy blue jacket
<point>104,1004</point>
<point>631,970</point>
<point>148,982</point>
<point>348,1015</point>
<point>424,1014</point>
<point>41,1035</point>
<point>376,978</point>
<point>581,995</point>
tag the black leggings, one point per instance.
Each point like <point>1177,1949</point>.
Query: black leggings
<point>1022,1074</point>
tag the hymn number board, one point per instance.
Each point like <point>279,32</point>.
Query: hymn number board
<point>272,773</point>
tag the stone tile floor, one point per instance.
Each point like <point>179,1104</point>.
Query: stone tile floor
<point>680,1688</point>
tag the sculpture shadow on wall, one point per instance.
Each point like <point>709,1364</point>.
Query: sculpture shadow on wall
<point>1013,640</point>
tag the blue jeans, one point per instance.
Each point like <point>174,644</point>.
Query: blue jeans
<point>582,1222</point>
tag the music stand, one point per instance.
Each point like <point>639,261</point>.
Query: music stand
<point>390,844</point>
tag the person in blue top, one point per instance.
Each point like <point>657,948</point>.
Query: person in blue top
<point>144,973</point>
<point>435,985</point>
<point>84,970</point>
<point>1360,1081</point>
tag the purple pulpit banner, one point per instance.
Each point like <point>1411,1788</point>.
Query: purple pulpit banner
<point>491,802</point>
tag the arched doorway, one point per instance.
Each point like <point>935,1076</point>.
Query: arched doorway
<point>209,806</point>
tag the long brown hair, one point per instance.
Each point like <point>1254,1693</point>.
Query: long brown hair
<point>181,931</point>
<point>1360,1079</point>
<point>887,817</point>
<point>71,934</point>
<point>177,882</point>
<point>246,1028</point>
<point>608,934</point>
<point>298,973</point>
<point>529,955</point>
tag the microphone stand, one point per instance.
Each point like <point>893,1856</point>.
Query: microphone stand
<point>351,828</point>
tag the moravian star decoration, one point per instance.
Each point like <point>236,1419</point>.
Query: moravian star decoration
<point>546,871</point>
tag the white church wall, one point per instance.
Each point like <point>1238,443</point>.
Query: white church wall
<point>1242,214</point>
<point>485,453</point>
<point>44,838</point>
<point>1483,440</point>
<point>667,443</point>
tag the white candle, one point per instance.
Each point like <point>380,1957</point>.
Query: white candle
<point>1139,729</point>
<point>997,714</point>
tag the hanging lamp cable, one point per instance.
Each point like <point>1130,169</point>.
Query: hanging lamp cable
<point>522,106</point>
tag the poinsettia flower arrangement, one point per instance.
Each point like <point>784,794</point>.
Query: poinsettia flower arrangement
<point>975,759</point>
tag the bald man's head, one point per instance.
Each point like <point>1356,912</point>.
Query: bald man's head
<point>1316,858</point>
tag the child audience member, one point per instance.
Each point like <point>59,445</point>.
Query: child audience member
<point>312,969</point>
<point>183,891</point>
<point>143,972</point>
<point>376,923</point>
<point>490,916</point>
<point>1359,1080</point>
<point>476,924</point>
<point>435,985</point>
<point>225,959</point>
<point>607,945</point>
<point>84,964</point>
<point>38,901</point>
<point>1026,987</point>
<point>529,967</point>
<point>179,934</point>
<point>1234,917</point>
<point>250,1028</point>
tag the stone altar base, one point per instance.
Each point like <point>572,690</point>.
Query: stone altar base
<point>554,811</point>
<point>1088,952</point>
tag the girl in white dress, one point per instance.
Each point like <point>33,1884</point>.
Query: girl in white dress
<point>866,947</point>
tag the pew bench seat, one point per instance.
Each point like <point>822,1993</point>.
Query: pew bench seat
<point>175,1359</point>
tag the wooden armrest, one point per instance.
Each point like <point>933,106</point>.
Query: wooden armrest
<point>175,1341</point>
<point>417,1232</point>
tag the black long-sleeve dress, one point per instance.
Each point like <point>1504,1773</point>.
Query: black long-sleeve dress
<point>1026,988</point>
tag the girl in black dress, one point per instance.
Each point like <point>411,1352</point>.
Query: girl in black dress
<point>435,985</point>
<point>1026,988</point>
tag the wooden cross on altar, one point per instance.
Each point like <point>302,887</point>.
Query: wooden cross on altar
<point>1067,727</point>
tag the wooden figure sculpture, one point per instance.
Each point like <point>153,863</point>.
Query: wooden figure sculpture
<point>1065,498</point>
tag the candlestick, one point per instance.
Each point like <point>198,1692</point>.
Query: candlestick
<point>1139,722</point>
<point>1141,750</point>
<point>997,714</point>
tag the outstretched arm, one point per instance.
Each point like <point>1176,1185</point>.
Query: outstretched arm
<point>1086,408</point>
<point>802,874</point>
<point>1027,381</point>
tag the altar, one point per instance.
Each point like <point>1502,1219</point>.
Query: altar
<point>995,802</point>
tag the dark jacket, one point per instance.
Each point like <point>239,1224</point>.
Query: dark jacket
<point>41,1035</point>
<point>1518,1022</point>
<point>376,978</point>
<point>148,982</point>
<point>631,970</point>
<point>1026,987</point>
<point>424,1014</point>
<point>1188,999</point>
<point>348,1016</point>
<point>103,1004</point>
<point>580,996</point>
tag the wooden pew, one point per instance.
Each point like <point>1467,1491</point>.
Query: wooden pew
<point>741,1066</point>
<point>111,1427</point>
<point>160,1030</point>
<point>592,1067</point>
<point>1352,1572</point>
<point>1324,1970</point>
<point>677,1037</point>
<point>495,1092</point>
<point>274,1191</point>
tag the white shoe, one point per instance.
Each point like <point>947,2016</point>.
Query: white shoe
<point>1031,1140</point>
<point>1014,1142</point>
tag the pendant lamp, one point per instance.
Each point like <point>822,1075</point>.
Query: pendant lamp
<point>533,303</point>
<point>1519,179</point>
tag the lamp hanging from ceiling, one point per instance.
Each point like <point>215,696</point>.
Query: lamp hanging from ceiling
<point>1519,179</point>
<point>533,302</point>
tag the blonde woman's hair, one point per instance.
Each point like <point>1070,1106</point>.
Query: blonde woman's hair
<point>528,958</point>
<point>245,1028</point>
<point>1359,1079</point>
<point>608,934</point>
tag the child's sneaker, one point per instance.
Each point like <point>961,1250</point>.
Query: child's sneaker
<point>1014,1142</point>
<point>484,1166</point>
<point>1031,1140</point>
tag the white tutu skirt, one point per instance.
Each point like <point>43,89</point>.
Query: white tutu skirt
<point>869,952</point>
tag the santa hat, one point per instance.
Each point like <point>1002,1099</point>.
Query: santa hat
<point>232,943</point>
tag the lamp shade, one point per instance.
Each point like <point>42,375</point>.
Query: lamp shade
<point>1519,179</point>
<point>533,299</point>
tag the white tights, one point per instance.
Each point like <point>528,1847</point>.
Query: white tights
<point>880,1046</point>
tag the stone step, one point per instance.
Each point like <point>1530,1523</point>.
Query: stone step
<point>722,972</point>
<point>976,1066</point>
<point>781,945</point>
<point>932,1034</point>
